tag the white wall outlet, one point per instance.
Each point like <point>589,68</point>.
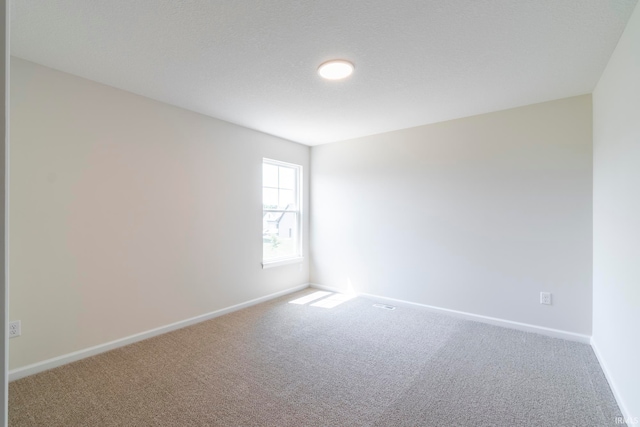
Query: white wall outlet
<point>545,298</point>
<point>14,329</point>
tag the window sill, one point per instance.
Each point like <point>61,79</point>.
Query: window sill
<point>278,263</point>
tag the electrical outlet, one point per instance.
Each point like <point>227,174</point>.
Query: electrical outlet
<point>545,298</point>
<point>14,329</point>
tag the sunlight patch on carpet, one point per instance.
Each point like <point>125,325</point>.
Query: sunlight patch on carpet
<point>311,297</point>
<point>333,301</point>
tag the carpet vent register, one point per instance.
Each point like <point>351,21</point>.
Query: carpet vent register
<point>384,306</point>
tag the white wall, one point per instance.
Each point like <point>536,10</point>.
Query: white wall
<point>478,214</point>
<point>616,219</point>
<point>128,214</point>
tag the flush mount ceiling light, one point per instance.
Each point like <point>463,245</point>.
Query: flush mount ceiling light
<point>335,69</point>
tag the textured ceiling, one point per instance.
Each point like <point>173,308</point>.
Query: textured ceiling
<point>254,62</point>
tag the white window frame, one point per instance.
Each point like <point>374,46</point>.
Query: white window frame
<point>297,258</point>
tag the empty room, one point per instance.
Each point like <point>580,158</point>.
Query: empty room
<point>321,213</point>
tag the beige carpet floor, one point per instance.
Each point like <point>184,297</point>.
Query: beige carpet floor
<point>282,364</point>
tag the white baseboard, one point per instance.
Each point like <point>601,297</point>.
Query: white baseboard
<point>45,365</point>
<point>612,384</point>
<point>325,288</point>
<point>555,333</point>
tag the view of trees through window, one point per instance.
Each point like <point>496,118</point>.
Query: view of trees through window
<point>280,210</point>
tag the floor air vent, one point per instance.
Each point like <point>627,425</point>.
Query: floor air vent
<point>384,306</point>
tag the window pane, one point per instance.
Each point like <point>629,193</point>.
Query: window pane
<point>287,200</point>
<point>287,178</point>
<point>269,175</point>
<point>269,198</point>
<point>279,235</point>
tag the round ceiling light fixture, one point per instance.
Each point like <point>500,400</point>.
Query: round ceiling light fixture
<point>336,69</point>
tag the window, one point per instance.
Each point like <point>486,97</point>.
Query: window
<point>281,213</point>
